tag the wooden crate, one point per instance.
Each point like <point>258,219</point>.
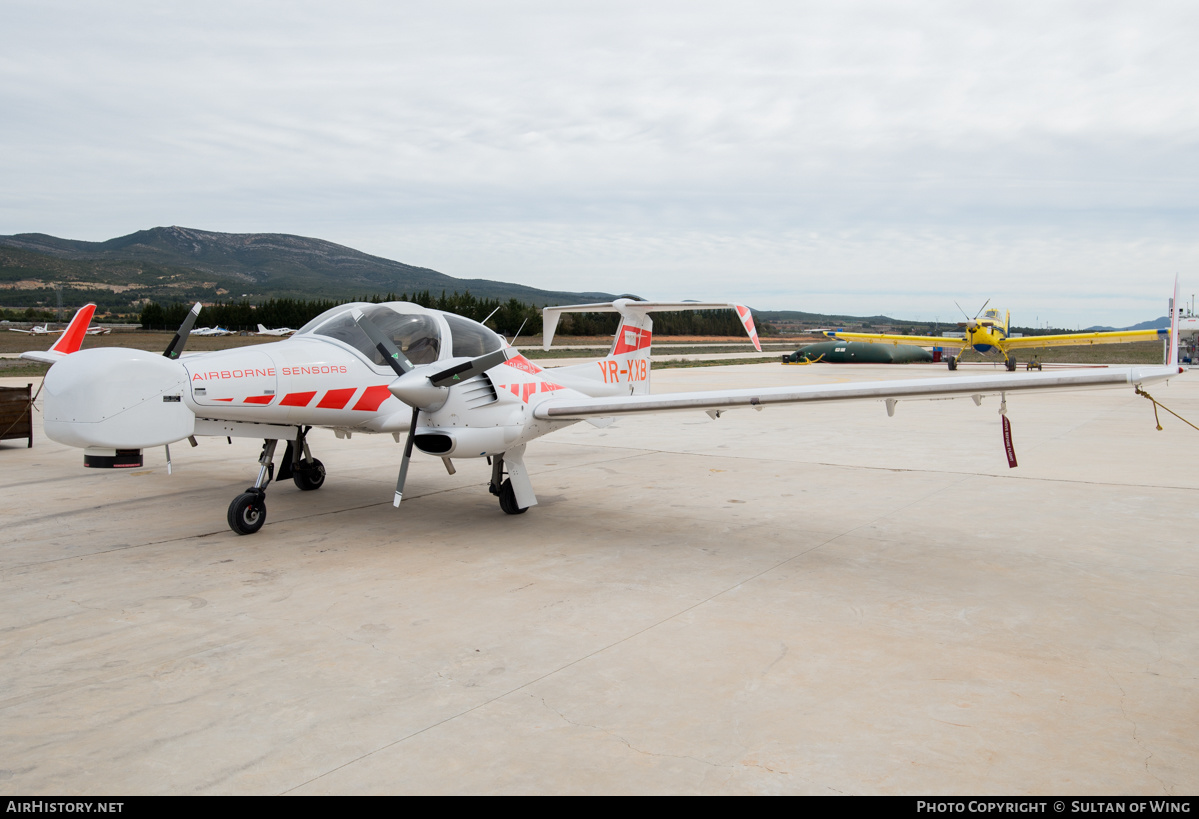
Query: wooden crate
<point>16,413</point>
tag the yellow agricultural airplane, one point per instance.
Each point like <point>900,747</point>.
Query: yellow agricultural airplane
<point>989,335</point>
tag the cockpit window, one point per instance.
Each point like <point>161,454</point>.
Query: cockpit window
<point>416,334</point>
<point>470,338</point>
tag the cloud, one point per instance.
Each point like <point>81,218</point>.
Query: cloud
<point>936,151</point>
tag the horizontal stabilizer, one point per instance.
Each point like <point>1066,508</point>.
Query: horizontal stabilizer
<point>632,309</point>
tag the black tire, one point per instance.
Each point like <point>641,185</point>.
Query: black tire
<point>309,475</point>
<point>953,363</point>
<point>247,513</point>
<point>1010,365</point>
<point>508,500</point>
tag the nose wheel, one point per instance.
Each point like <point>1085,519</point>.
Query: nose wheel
<point>247,512</point>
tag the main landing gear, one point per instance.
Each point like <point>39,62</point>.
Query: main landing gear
<point>502,488</point>
<point>1010,364</point>
<point>247,512</point>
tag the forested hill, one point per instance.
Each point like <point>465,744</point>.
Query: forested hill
<point>176,263</point>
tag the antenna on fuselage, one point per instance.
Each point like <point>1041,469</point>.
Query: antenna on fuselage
<point>512,343</point>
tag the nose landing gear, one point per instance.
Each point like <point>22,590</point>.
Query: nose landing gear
<point>247,512</point>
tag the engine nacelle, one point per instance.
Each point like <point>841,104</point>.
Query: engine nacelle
<point>110,398</point>
<point>463,442</point>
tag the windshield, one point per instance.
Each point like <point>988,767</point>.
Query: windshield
<point>416,334</point>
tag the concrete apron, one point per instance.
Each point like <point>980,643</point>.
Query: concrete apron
<point>802,600</point>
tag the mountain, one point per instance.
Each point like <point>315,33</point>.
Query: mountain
<point>1155,324</point>
<point>177,263</point>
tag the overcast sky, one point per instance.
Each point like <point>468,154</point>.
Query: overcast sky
<point>856,157</point>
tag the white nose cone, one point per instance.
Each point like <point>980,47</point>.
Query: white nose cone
<point>415,390</point>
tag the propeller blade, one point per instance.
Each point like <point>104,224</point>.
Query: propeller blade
<point>175,348</point>
<point>984,307</point>
<point>964,313</point>
<point>403,476</point>
<point>386,347</point>
<point>469,369</point>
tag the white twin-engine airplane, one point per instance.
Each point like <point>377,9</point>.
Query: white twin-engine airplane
<point>280,331</point>
<point>457,388</point>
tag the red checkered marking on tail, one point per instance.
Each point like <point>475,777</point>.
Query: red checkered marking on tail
<point>631,339</point>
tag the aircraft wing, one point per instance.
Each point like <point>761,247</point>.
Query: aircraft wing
<point>886,338</point>
<point>1076,339</point>
<point>915,388</point>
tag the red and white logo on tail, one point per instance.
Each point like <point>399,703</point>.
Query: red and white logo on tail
<point>631,339</point>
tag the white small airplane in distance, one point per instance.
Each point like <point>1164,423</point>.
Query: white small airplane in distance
<point>203,332</point>
<point>44,330</point>
<point>456,388</point>
<point>282,331</point>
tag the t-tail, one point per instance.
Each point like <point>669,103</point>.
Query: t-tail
<point>626,368</point>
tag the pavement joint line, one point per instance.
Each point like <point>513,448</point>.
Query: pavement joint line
<point>997,475</point>
<point>674,616</point>
<point>116,674</point>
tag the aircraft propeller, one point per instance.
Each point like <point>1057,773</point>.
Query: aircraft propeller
<point>971,324</point>
<point>420,391</point>
<point>175,348</point>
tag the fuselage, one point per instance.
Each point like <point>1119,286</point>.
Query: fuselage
<point>985,334</point>
<point>328,374</point>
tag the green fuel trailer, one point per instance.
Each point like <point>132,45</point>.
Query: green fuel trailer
<point>859,352</point>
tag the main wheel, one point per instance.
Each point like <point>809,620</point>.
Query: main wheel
<point>309,475</point>
<point>1010,365</point>
<point>247,513</point>
<point>508,500</point>
<point>953,363</point>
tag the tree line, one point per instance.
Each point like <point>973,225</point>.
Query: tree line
<point>505,318</point>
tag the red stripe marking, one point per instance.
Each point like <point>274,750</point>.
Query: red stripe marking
<point>222,399</point>
<point>527,390</point>
<point>522,363</point>
<point>260,399</point>
<point>336,399</point>
<point>297,399</point>
<point>372,397</point>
